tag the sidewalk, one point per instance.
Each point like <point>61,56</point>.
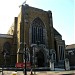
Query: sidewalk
<point>40,73</point>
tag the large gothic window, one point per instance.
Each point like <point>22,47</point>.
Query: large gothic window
<point>37,31</point>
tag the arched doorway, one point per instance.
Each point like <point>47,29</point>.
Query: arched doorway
<point>40,59</point>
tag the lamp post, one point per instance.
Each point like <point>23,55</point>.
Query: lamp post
<point>25,72</point>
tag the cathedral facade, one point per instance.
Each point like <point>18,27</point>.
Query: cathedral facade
<point>32,30</point>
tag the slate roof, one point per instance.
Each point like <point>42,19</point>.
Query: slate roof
<point>6,36</point>
<point>72,46</point>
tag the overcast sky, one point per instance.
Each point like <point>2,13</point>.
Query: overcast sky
<point>62,11</point>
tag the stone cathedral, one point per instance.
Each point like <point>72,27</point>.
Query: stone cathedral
<point>34,28</point>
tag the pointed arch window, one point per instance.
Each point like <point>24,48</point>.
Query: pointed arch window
<point>37,31</point>
<point>61,52</point>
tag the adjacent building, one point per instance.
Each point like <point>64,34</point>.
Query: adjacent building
<point>70,54</point>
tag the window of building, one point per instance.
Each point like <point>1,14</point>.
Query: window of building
<point>61,52</point>
<point>37,31</point>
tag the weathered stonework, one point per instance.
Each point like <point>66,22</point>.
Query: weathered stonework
<point>22,34</point>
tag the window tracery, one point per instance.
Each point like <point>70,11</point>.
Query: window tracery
<point>37,31</point>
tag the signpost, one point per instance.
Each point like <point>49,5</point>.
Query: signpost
<point>25,72</point>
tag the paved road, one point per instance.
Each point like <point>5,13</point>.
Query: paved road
<point>40,73</point>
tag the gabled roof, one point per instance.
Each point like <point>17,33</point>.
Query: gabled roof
<point>72,46</point>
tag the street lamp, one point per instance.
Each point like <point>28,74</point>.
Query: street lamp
<point>24,58</point>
